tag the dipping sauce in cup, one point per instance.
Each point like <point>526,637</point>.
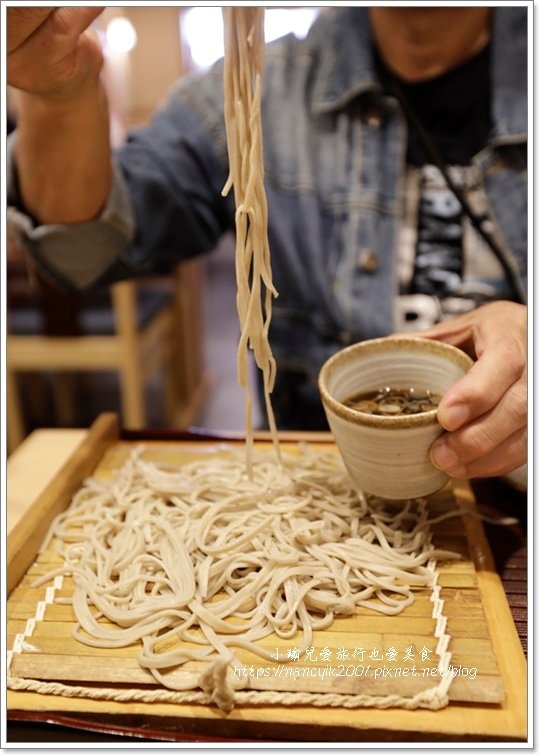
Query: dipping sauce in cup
<point>387,452</point>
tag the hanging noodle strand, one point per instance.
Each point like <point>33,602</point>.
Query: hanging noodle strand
<point>243,68</point>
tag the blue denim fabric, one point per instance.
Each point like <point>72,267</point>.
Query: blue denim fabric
<point>335,160</point>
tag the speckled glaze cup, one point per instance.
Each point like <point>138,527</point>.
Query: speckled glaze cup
<point>388,456</point>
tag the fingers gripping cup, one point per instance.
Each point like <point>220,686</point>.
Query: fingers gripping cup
<point>394,384</point>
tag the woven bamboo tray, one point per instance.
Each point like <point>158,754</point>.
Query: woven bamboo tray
<point>488,693</point>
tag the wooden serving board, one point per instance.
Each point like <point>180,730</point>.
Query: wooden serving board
<point>488,693</point>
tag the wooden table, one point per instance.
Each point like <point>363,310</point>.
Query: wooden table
<point>36,461</point>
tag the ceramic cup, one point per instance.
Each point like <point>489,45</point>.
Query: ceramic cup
<point>388,456</point>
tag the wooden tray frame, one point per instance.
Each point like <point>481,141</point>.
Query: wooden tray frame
<point>457,722</point>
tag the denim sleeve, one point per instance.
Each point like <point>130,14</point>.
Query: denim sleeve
<point>74,256</point>
<point>165,203</point>
<point>175,170</point>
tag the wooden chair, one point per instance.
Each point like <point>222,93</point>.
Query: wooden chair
<point>137,329</point>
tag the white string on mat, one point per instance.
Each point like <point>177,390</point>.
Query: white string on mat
<point>433,698</point>
<point>194,569</point>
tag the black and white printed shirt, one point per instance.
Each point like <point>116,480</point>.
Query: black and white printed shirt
<point>445,267</point>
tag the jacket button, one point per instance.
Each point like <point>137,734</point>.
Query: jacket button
<point>368,261</point>
<point>373,118</point>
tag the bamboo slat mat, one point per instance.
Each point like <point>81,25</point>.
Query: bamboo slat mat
<point>368,653</point>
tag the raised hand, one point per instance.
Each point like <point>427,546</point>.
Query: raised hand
<point>62,146</point>
<point>51,51</point>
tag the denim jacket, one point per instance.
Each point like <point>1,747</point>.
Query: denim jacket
<point>334,148</point>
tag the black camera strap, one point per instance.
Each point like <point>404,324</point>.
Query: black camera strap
<point>508,264</point>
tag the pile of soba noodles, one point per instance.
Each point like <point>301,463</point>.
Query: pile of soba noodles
<point>198,562</point>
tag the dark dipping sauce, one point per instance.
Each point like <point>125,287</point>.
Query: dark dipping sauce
<point>394,402</point>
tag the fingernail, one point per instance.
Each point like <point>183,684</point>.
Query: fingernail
<point>443,457</point>
<point>453,416</point>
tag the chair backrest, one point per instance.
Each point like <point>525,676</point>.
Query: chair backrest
<point>135,328</point>
<point>54,332</point>
<point>36,307</point>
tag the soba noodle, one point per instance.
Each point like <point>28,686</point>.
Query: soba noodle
<point>198,563</point>
<point>201,561</point>
<point>243,67</point>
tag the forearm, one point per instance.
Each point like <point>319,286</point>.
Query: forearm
<point>63,156</point>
